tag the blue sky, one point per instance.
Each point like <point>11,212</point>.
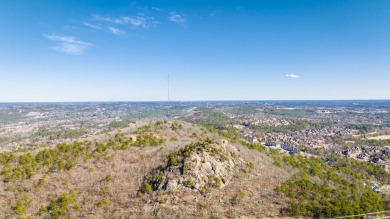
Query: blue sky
<point>212,50</point>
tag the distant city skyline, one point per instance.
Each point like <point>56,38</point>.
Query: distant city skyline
<point>72,51</point>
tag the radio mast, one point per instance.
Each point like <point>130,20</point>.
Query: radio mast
<point>169,98</point>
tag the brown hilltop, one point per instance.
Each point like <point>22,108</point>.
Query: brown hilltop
<point>106,178</point>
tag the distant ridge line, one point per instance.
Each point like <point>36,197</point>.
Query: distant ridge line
<point>162,101</point>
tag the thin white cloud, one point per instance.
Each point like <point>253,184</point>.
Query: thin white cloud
<point>68,44</point>
<point>157,9</point>
<point>213,13</point>
<point>110,29</point>
<point>93,26</point>
<point>140,20</point>
<point>115,31</point>
<point>292,76</point>
<point>177,18</point>
<point>108,19</point>
<point>137,21</point>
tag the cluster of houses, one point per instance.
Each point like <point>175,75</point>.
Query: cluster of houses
<point>267,121</point>
<point>377,155</point>
<point>285,147</point>
<point>367,152</point>
<point>321,137</point>
<point>290,149</point>
<point>311,138</point>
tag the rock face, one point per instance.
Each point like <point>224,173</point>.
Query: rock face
<point>133,138</point>
<point>197,166</point>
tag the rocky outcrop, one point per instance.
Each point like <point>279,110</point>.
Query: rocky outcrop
<point>196,166</point>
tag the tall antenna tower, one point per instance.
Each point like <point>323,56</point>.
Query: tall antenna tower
<point>169,98</point>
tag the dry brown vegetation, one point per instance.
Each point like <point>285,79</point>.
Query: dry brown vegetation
<point>105,183</point>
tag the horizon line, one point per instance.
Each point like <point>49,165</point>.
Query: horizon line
<point>177,101</point>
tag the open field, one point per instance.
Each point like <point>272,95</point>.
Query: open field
<point>382,137</point>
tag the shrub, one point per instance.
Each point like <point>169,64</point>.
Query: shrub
<point>11,188</point>
<point>60,206</point>
<point>109,178</point>
<point>172,160</point>
<point>189,183</point>
<point>42,181</point>
<point>157,177</point>
<point>250,164</point>
<point>77,207</point>
<point>21,207</point>
<point>102,192</point>
<point>85,199</point>
<point>186,167</point>
<point>217,181</point>
<point>102,203</point>
<point>203,190</point>
<point>277,163</point>
<point>20,189</point>
<point>42,210</point>
<point>147,188</point>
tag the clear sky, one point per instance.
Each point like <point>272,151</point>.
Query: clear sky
<point>99,50</point>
